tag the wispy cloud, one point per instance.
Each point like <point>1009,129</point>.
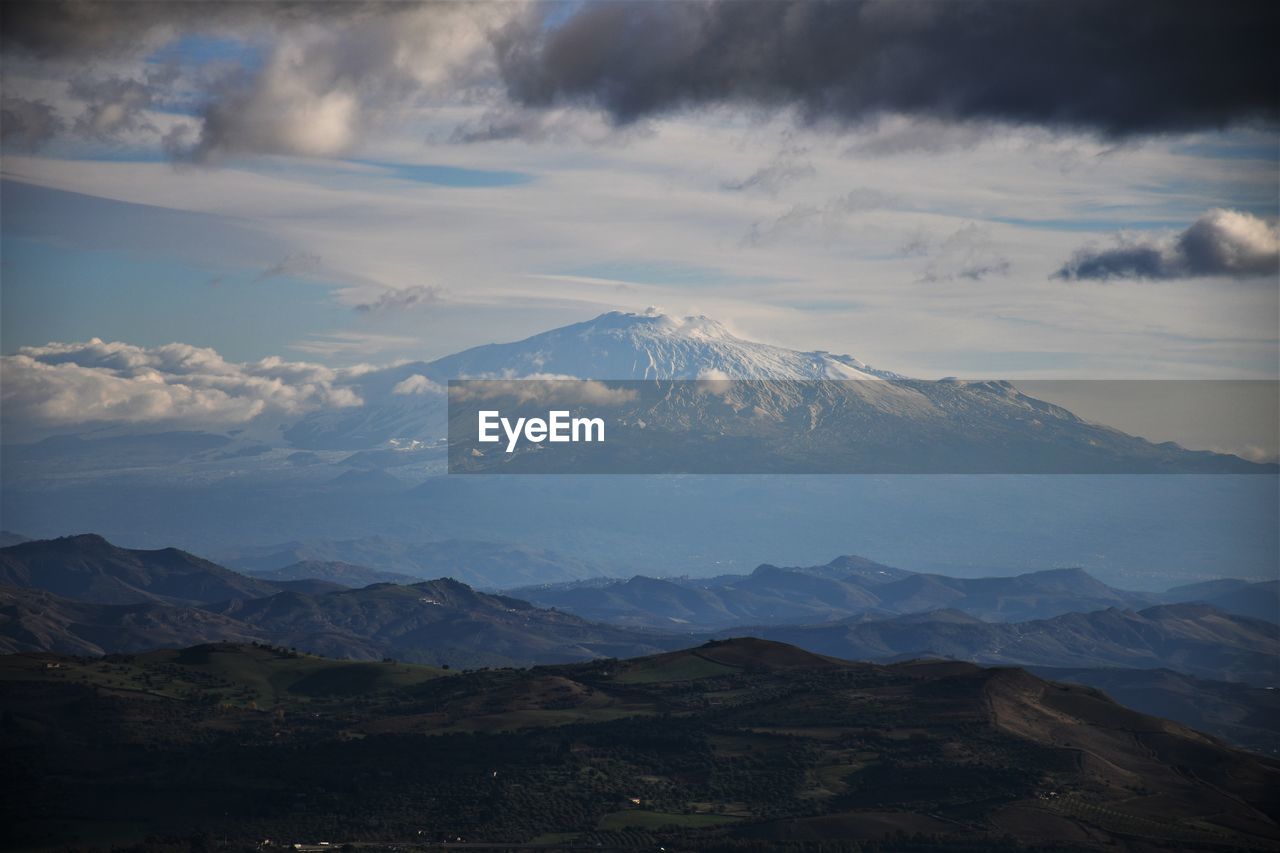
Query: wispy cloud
<point>347,344</point>
<point>402,299</point>
<point>968,253</point>
<point>787,166</point>
<point>830,215</point>
<point>296,263</point>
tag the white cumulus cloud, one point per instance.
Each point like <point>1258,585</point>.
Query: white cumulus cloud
<point>174,385</point>
<point>417,384</point>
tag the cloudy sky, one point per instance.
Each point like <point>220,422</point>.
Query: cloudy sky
<point>275,192</point>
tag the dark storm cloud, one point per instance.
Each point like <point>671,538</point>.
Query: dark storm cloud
<point>113,106</point>
<point>1120,68</point>
<point>329,72</point>
<point>1221,243</point>
<point>77,29</point>
<point>27,124</point>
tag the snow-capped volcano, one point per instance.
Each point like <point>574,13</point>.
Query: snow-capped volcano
<point>883,422</point>
<point>407,402</point>
<point>621,345</point>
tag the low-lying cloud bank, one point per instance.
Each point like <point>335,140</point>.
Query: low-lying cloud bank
<point>323,76</point>
<point>175,385</point>
<point>1221,243</point>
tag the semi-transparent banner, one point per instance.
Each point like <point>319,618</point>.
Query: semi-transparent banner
<point>882,426</point>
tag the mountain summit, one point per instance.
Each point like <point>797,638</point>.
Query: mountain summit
<point>401,400</point>
<point>621,345</point>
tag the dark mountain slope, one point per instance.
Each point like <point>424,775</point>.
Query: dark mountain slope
<point>1259,600</point>
<point>1195,639</point>
<point>335,571</point>
<point>34,620</point>
<point>89,568</point>
<point>1243,598</point>
<point>1239,713</point>
<point>440,621</point>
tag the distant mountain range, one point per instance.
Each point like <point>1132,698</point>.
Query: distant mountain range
<point>83,595</point>
<point>436,622</point>
<point>1196,639</point>
<point>489,565</point>
<point>850,586</point>
<point>344,575</point>
<point>1260,600</point>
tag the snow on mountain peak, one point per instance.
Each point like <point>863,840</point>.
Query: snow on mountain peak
<point>616,345</point>
<point>651,323</point>
<point>649,345</point>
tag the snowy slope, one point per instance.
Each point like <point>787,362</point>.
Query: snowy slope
<point>406,402</point>
<point>647,346</point>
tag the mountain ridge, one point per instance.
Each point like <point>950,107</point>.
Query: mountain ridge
<point>841,588</point>
<point>87,566</point>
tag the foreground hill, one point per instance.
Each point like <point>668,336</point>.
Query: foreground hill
<point>736,745</point>
<point>89,568</point>
<point>1242,714</point>
<point>844,587</point>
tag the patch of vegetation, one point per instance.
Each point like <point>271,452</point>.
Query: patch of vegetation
<point>731,747</point>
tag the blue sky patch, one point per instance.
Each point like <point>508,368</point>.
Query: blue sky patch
<point>450,176</point>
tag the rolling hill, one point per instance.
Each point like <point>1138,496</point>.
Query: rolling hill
<point>735,745</point>
<point>1241,714</point>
